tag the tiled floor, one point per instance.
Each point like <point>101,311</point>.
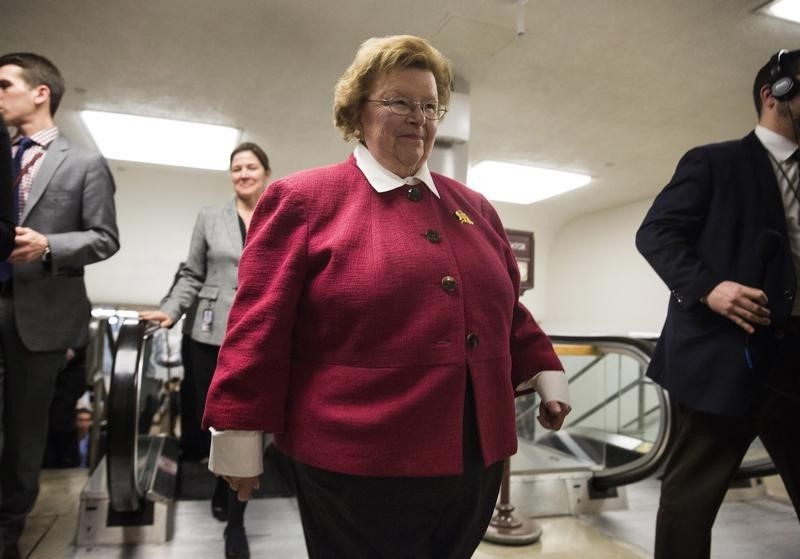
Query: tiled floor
<point>763,527</point>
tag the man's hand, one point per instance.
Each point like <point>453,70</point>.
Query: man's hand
<point>29,245</point>
<point>739,303</point>
<point>552,414</point>
<point>243,486</point>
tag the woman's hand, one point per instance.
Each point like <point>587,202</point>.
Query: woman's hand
<point>243,486</point>
<point>552,414</point>
<point>161,317</point>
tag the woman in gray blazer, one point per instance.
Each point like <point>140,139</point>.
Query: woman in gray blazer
<point>209,279</point>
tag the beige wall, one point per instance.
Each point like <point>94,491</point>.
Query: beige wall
<point>598,282</point>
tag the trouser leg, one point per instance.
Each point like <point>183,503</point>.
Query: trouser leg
<point>706,454</point>
<point>28,390</point>
<point>192,443</point>
<point>463,522</point>
<point>204,361</point>
<point>779,422</point>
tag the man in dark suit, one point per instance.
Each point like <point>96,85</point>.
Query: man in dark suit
<point>66,220</point>
<point>724,235</point>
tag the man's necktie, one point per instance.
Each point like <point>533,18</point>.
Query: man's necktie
<point>16,169</point>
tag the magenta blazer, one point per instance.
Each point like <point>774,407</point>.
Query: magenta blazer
<point>359,316</point>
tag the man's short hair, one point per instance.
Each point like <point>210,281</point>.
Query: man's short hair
<point>38,70</point>
<point>789,66</point>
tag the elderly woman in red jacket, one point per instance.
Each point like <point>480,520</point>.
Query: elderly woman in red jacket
<point>377,332</point>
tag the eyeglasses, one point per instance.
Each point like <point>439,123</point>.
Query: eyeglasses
<point>404,107</point>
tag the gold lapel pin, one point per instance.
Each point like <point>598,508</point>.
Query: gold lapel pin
<point>463,217</point>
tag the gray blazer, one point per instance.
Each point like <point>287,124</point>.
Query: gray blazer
<point>72,203</point>
<point>211,274</point>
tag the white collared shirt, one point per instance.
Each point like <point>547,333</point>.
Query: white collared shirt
<point>787,172</point>
<point>383,180</point>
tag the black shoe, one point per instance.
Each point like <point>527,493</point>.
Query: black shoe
<point>236,546</point>
<point>219,501</point>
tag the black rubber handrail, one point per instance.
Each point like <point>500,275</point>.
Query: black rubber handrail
<point>650,462</point>
<point>126,493</point>
<point>101,339</point>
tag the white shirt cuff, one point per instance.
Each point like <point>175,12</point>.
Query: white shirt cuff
<point>549,385</point>
<point>236,453</point>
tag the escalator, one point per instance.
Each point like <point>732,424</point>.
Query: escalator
<point>129,497</point>
<point>618,433</point>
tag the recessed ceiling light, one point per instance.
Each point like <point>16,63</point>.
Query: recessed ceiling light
<point>161,141</point>
<point>783,9</point>
<point>521,184</point>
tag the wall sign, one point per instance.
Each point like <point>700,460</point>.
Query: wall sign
<point>522,246</point>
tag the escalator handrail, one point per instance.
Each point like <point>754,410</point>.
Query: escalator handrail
<point>651,461</point>
<point>100,338</point>
<point>125,492</point>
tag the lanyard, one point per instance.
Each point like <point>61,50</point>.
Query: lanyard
<point>793,186</point>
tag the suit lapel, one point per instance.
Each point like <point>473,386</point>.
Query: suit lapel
<point>231,218</point>
<point>56,154</point>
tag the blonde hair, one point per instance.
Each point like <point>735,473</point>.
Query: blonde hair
<point>378,56</point>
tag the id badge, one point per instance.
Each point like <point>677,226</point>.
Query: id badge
<point>208,319</point>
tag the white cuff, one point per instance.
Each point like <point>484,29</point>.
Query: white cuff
<point>549,385</point>
<point>236,453</point>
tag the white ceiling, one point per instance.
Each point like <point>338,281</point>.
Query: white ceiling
<point>617,89</point>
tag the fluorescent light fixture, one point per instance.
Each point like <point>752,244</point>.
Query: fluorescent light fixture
<point>161,141</point>
<point>783,9</point>
<point>521,184</point>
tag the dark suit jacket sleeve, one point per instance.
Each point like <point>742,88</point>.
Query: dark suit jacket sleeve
<point>672,227</point>
<point>7,219</point>
<point>97,237</point>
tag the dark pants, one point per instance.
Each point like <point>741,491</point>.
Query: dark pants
<point>61,450</point>
<point>203,362</point>
<point>193,444</point>
<point>709,449</point>
<point>27,389</point>
<point>357,517</point>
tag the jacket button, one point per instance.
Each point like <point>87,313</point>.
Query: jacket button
<point>432,235</point>
<point>449,284</point>
<point>779,334</point>
<point>788,295</point>
<point>473,340</point>
<point>414,194</point>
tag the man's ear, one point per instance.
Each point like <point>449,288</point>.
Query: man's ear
<point>41,95</point>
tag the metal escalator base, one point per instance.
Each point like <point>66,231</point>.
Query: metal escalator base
<point>545,483</point>
<point>537,495</point>
<point>100,524</point>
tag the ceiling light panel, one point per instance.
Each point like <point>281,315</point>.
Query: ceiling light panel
<point>521,184</point>
<point>783,9</point>
<point>161,141</point>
